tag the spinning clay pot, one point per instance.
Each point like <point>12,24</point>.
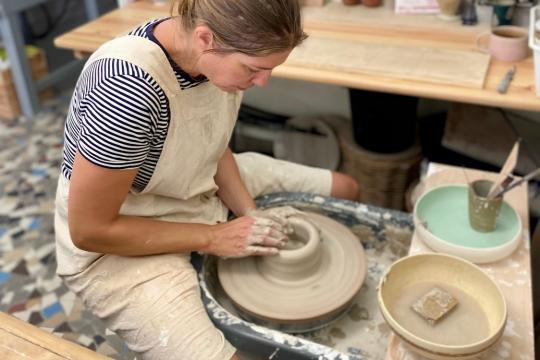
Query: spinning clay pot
<point>311,282</point>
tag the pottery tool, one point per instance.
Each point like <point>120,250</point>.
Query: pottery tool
<point>517,182</point>
<point>506,171</point>
<point>434,305</point>
<point>502,88</point>
<point>506,182</point>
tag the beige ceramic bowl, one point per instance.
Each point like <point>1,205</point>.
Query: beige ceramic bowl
<point>453,272</point>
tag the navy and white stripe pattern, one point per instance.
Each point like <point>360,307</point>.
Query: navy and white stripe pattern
<point>119,115</point>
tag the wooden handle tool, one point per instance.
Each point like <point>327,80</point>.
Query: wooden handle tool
<point>506,171</point>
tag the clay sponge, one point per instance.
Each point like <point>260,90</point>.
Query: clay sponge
<point>434,305</point>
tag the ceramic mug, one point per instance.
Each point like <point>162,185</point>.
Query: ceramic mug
<point>505,43</point>
<point>483,212</point>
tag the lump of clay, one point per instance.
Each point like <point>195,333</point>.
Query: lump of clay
<point>434,305</point>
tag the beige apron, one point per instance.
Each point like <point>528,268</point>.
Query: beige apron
<point>182,187</point>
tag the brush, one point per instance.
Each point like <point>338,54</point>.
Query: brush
<point>517,182</point>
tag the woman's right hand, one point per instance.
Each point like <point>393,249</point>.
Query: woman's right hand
<point>246,236</point>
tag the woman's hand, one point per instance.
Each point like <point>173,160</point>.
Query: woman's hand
<point>280,214</point>
<point>246,236</point>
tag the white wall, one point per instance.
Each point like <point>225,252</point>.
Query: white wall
<point>292,97</point>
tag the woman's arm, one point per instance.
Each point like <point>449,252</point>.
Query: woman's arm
<point>96,195</point>
<point>232,190</point>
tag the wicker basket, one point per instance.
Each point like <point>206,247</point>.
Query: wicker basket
<point>10,108</point>
<point>383,178</point>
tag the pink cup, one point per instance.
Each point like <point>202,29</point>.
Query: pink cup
<point>505,43</point>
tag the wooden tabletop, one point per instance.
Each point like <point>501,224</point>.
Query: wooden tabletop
<point>22,341</point>
<point>363,25</point>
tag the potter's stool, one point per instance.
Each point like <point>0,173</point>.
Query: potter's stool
<point>385,236</point>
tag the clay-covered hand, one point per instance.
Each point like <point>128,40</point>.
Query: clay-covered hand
<point>246,236</point>
<point>278,214</point>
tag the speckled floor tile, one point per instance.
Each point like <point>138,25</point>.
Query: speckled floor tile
<point>30,156</point>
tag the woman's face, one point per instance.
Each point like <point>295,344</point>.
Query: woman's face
<point>237,71</point>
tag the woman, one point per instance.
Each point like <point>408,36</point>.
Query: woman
<point>148,178</point>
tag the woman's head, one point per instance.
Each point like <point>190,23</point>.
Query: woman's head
<point>237,43</point>
<point>251,27</point>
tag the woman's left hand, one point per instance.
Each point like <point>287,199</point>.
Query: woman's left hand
<point>278,214</point>
<point>246,236</point>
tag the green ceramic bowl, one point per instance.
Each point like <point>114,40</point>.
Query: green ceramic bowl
<point>441,219</point>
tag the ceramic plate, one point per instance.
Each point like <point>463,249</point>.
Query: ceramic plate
<point>441,218</point>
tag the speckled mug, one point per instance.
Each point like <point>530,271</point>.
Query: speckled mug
<point>483,212</point>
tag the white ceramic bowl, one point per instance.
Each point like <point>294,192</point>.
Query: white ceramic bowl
<point>450,272</point>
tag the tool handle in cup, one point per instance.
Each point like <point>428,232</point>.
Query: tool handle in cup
<point>479,38</point>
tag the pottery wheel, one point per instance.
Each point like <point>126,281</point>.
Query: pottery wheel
<point>310,283</point>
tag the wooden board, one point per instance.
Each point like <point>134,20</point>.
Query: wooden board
<point>439,66</point>
<point>23,341</point>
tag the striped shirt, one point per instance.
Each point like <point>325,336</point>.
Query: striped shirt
<point>119,115</point>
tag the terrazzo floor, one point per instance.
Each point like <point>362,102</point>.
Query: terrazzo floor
<point>30,157</point>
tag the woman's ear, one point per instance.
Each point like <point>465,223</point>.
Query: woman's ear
<point>204,37</point>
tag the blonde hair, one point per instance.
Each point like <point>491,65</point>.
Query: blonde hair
<point>252,27</point>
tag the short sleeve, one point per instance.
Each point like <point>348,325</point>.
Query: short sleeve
<point>119,116</point>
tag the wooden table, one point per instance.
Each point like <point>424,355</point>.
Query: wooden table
<point>512,274</point>
<point>22,341</point>
<point>361,24</point>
